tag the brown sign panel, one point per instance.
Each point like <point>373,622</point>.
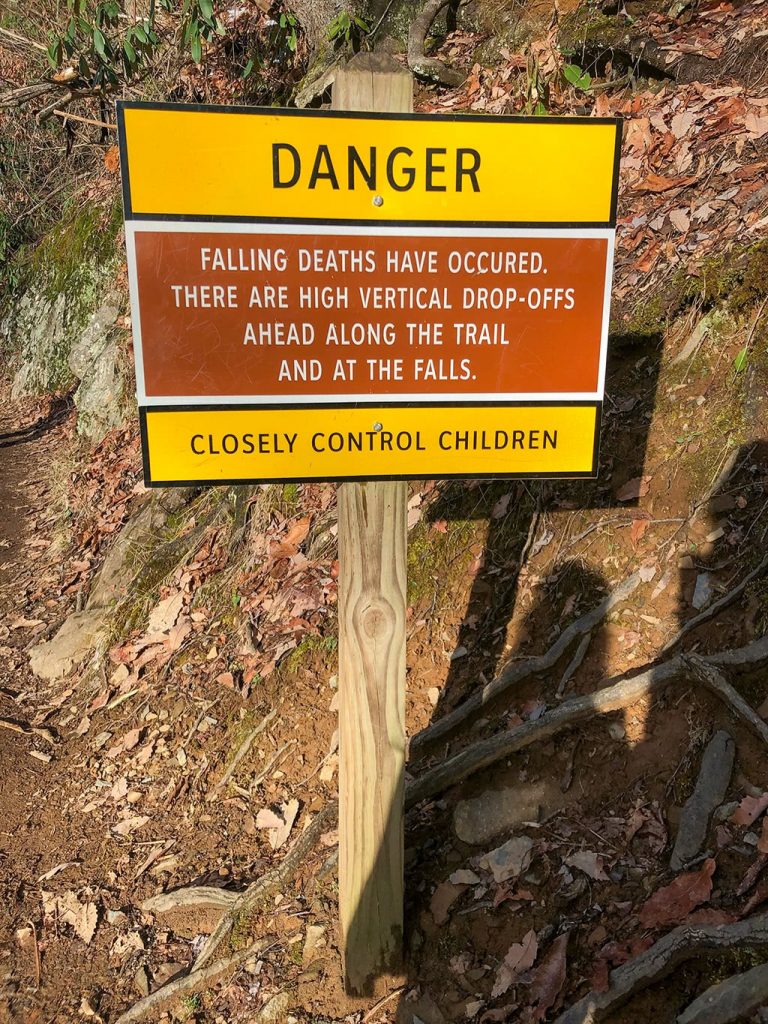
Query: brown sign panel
<point>353,314</point>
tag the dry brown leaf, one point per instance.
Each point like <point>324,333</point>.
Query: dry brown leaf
<point>674,902</point>
<point>749,810</point>
<point>549,977</point>
<point>112,159</point>
<point>520,957</point>
<point>657,183</point>
<point>638,487</point>
<point>444,896</point>
<point>589,862</point>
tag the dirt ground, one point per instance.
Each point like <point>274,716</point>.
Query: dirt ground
<point>128,802</point>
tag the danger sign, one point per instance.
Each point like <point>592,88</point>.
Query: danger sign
<point>344,296</point>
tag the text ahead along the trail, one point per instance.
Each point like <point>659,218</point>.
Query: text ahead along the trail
<point>326,295</point>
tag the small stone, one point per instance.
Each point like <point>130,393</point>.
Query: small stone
<point>275,1009</point>
<point>141,981</point>
<point>616,731</point>
<point>702,592</point>
<point>496,811</point>
<point>315,939</point>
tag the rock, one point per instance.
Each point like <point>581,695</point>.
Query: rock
<point>314,940</point>
<point>141,982</point>
<point>94,359</point>
<point>702,592</point>
<point>496,811</point>
<point>616,731</point>
<point>733,999</point>
<point>275,1009</point>
<point>708,794</point>
<point>80,634</point>
<point>75,639</point>
<point>509,860</point>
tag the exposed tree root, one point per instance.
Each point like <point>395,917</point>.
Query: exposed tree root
<point>188,983</point>
<point>517,671</point>
<point>718,605</point>
<point>242,751</point>
<point>681,944</point>
<point>623,693</point>
<point>194,896</point>
<point>717,683</point>
<point>429,67</point>
<point>733,999</point>
<point>268,884</point>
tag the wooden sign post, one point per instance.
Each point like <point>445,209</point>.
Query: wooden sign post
<point>372,586</point>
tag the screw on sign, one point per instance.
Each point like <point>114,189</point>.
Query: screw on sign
<point>367,295</point>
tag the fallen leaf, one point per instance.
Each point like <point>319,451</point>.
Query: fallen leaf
<point>279,825</point>
<point>588,862</point>
<point>501,506</point>
<point>657,183</point>
<point>163,617</point>
<point>675,901</point>
<point>637,530</point>
<point>128,825</point>
<point>509,860</point>
<point>549,977</point>
<point>749,810</point>
<point>638,487</point>
<point>464,877</point>
<point>519,959</point>
<point>444,896</point>
<point>112,159</point>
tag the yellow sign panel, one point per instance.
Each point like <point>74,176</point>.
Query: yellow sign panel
<point>234,444</point>
<point>245,163</point>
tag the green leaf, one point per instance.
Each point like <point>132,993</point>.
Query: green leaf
<point>576,77</point>
<point>129,51</point>
<point>741,360</point>
<point>141,35</point>
<point>196,48</point>
<point>248,68</point>
<point>540,110</point>
<point>206,8</point>
<point>99,42</point>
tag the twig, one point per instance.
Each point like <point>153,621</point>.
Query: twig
<point>16,42</point>
<point>382,1002</point>
<point>242,752</point>
<point>36,948</point>
<point>27,730</point>
<point>515,673</point>
<point>681,944</point>
<point>716,606</point>
<point>84,120</point>
<point>719,685</point>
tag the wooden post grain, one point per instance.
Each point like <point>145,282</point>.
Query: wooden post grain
<point>372,581</point>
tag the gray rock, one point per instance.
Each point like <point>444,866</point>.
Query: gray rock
<point>731,1000</point>
<point>496,811</point>
<point>57,657</point>
<point>94,359</point>
<point>708,794</point>
<point>82,632</point>
<point>275,1009</point>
